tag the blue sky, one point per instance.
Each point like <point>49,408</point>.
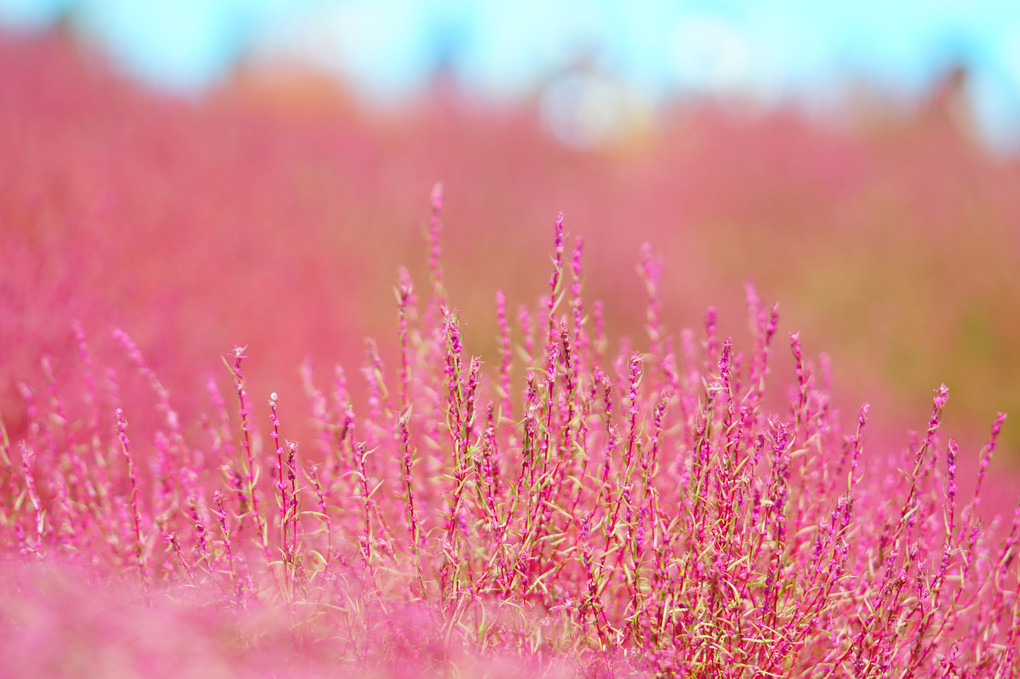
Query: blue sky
<point>387,49</point>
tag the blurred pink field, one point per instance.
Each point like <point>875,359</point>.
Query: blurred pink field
<point>280,226</point>
<point>276,221</point>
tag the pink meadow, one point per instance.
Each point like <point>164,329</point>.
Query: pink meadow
<point>568,510</point>
<point>551,501</point>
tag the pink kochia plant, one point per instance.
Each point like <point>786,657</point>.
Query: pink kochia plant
<point>559,511</point>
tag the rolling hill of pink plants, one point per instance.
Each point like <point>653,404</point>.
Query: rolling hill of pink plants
<point>530,466</point>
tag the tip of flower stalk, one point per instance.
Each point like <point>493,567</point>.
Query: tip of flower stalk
<point>404,292</point>
<point>997,424</point>
<point>273,398</point>
<point>558,241</point>
<point>751,292</point>
<point>437,196</point>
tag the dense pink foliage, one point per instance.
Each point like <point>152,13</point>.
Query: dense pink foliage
<point>612,514</point>
<point>536,498</point>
